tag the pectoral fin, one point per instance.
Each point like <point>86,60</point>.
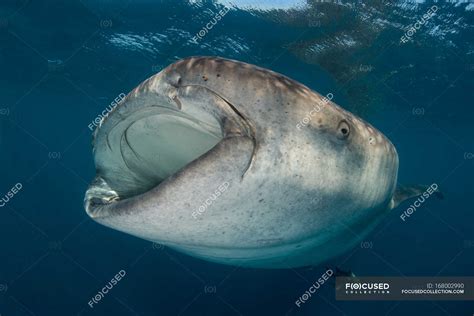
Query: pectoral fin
<point>403,193</point>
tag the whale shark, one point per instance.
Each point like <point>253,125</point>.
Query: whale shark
<point>236,164</point>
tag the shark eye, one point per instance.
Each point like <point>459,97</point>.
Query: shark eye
<point>343,130</point>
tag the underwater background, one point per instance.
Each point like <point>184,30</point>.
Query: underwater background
<point>63,62</point>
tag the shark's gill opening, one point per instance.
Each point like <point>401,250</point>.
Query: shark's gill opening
<point>137,152</point>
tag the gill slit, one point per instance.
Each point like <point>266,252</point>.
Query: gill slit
<point>248,124</point>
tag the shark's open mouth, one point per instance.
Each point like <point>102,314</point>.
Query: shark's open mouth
<point>135,153</point>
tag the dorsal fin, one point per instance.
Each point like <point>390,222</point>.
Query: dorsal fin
<point>403,193</point>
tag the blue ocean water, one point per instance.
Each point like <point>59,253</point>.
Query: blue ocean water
<point>63,62</point>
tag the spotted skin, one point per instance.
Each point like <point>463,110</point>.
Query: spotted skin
<point>298,194</point>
